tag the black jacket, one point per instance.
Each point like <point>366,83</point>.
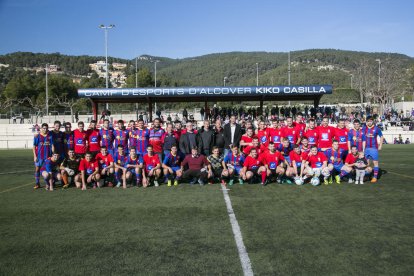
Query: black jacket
<point>227,135</point>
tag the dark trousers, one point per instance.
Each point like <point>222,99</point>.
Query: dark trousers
<point>191,174</point>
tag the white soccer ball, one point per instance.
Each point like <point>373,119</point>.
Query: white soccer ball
<point>298,180</point>
<point>315,181</point>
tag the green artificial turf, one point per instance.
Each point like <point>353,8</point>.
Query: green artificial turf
<point>342,229</point>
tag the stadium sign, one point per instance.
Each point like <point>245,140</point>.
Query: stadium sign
<point>222,91</point>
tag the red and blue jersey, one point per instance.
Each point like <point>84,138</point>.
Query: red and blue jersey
<point>371,134</point>
<point>121,138</point>
<point>107,137</point>
<point>132,161</point>
<point>120,160</point>
<point>235,161</point>
<point>155,139</point>
<point>263,135</point>
<point>58,141</point>
<point>356,138</point>
<point>50,166</point>
<point>69,141</point>
<point>291,133</point>
<point>132,138</point>
<point>43,145</point>
<point>334,156</point>
<point>285,150</point>
<point>142,140</point>
<point>173,161</point>
<point>316,161</point>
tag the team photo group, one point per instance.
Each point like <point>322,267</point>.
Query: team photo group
<point>289,150</point>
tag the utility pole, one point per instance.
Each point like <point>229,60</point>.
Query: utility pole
<point>289,70</point>
<point>47,91</point>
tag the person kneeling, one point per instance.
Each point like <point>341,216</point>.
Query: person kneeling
<point>89,171</point>
<point>50,171</point>
<point>197,167</point>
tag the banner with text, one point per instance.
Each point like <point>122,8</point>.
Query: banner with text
<point>222,91</point>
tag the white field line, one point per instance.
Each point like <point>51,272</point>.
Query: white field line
<point>16,172</point>
<point>244,257</point>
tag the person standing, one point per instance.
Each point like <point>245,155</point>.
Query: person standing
<point>188,140</point>
<point>232,134</point>
<point>205,139</point>
<point>219,140</point>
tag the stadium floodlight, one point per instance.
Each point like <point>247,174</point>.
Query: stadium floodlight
<point>106,28</point>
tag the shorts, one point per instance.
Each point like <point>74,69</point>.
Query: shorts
<point>254,171</point>
<point>40,162</point>
<point>217,172</point>
<point>175,169</point>
<point>132,171</point>
<point>287,158</point>
<point>237,170</point>
<point>371,153</point>
<point>338,168</point>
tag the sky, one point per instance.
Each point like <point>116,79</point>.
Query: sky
<point>184,28</point>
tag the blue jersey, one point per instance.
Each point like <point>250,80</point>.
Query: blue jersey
<point>107,138</point>
<point>43,145</point>
<point>136,161</point>
<point>371,135</point>
<point>142,140</point>
<point>285,150</point>
<point>120,160</point>
<point>334,157</point>
<point>121,138</point>
<point>235,161</point>
<point>50,166</point>
<point>356,138</point>
<point>173,161</point>
<point>69,141</point>
<point>58,141</point>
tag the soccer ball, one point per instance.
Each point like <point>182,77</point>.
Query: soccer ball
<point>298,180</point>
<point>315,181</point>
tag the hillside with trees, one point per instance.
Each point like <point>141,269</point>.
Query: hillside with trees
<point>351,73</point>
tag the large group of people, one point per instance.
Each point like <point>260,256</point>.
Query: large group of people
<point>289,150</point>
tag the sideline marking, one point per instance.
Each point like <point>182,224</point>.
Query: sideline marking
<point>14,188</point>
<point>16,172</point>
<point>403,175</point>
<point>244,257</point>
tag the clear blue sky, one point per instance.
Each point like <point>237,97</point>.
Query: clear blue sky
<point>184,28</point>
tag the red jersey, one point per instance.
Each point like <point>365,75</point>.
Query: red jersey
<point>276,135</point>
<point>313,136</point>
<point>300,127</point>
<point>88,167</point>
<point>263,136</point>
<point>94,139</point>
<point>298,158</point>
<point>341,134</point>
<point>104,161</point>
<point>272,159</point>
<point>350,158</point>
<point>291,133</point>
<point>247,149</point>
<point>151,162</point>
<point>80,141</point>
<point>316,161</point>
<point>246,139</point>
<point>155,136</point>
<point>326,134</point>
<point>252,163</point>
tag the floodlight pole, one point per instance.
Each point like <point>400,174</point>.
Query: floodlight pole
<point>47,91</point>
<point>289,70</point>
<point>106,28</point>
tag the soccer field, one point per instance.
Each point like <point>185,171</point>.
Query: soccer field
<point>287,229</point>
